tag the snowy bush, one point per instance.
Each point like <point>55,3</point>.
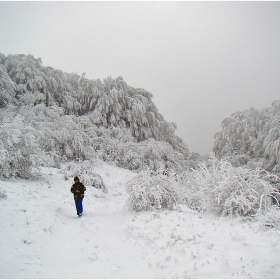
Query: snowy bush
<point>86,173</point>
<point>20,152</point>
<point>97,182</point>
<point>271,219</point>
<point>132,159</point>
<point>221,188</point>
<point>153,190</point>
<point>3,194</point>
<point>148,154</point>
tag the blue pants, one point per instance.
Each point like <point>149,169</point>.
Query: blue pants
<point>79,205</point>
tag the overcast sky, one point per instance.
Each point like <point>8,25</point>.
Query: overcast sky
<point>201,61</point>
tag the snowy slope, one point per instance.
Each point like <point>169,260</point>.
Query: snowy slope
<point>41,236</point>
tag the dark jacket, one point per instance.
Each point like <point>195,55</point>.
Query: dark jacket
<point>78,190</point>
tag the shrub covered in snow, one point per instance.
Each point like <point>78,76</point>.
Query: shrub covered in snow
<point>20,152</point>
<point>154,190</point>
<point>148,154</point>
<point>219,187</point>
<point>85,171</point>
<point>271,219</point>
<point>3,194</point>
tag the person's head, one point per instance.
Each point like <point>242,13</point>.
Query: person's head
<point>76,179</point>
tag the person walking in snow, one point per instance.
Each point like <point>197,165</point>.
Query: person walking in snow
<point>78,189</point>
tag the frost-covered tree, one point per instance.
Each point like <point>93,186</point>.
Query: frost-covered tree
<point>271,139</point>
<point>25,72</point>
<point>7,88</point>
<point>251,137</point>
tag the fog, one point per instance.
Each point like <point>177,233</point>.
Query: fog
<point>201,61</point>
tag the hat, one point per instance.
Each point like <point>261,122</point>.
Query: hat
<point>76,179</point>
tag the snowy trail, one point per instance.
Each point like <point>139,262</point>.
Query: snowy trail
<point>41,236</point>
<point>87,247</point>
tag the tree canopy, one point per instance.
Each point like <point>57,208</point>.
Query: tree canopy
<point>251,137</point>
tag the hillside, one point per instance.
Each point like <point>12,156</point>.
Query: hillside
<point>25,81</point>
<point>48,116</point>
<point>41,236</point>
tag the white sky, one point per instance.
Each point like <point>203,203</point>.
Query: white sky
<point>202,61</point>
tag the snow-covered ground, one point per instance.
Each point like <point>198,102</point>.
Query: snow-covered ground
<point>41,236</point>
